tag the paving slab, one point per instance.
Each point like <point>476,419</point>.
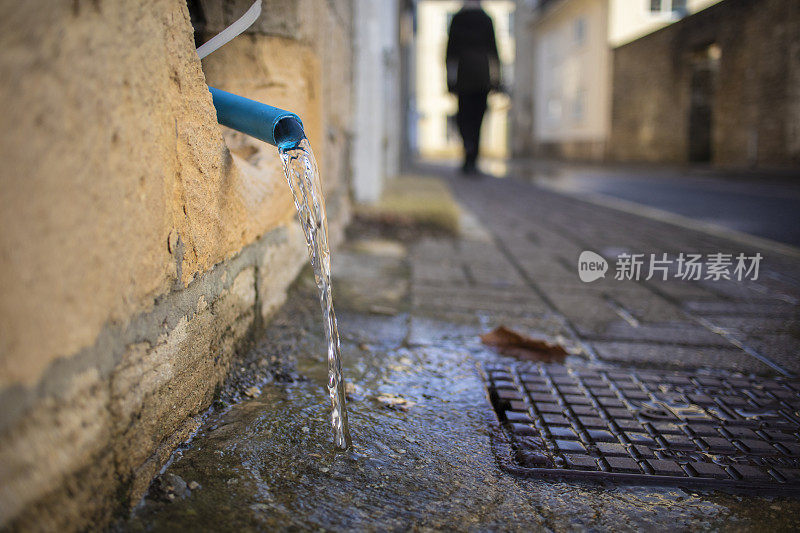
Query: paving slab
<point>541,234</point>
<point>679,357</point>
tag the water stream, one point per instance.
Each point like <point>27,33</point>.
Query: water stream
<point>302,174</point>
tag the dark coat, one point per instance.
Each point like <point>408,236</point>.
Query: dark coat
<point>473,65</point>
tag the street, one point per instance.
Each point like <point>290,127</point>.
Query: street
<point>755,204</point>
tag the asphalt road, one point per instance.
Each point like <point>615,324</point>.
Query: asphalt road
<point>766,208</point>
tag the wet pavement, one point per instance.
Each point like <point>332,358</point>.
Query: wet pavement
<point>427,442</point>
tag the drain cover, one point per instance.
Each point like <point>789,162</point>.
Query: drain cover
<point>635,427</point>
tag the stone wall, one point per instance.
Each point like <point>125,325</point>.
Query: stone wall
<point>522,142</point>
<point>142,245</point>
<point>755,74</point>
<point>575,150</point>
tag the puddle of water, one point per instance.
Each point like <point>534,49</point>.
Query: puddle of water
<point>302,174</point>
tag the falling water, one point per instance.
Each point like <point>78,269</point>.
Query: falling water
<point>302,174</point>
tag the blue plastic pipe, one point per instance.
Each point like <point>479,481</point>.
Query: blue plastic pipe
<point>272,125</point>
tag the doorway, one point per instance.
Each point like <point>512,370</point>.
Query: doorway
<point>704,67</point>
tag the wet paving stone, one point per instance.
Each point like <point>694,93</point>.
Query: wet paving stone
<point>653,427</point>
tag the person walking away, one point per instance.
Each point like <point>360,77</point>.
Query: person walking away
<point>473,69</point>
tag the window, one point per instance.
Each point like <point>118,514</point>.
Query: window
<point>579,31</point>
<point>579,106</point>
<point>451,129</point>
<point>553,109</point>
<point>668,7</point>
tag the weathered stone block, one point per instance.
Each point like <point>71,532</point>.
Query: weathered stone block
<point>51,442</point>
<point>278,266</point>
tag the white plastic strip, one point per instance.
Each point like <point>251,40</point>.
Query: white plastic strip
<point>229,33</point>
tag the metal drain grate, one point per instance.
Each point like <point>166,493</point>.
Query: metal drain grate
<point>635,427</point>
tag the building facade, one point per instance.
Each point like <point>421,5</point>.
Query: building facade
<point>571,82</point>
<point>376,98</point>
<point>720,87</point>
<point>563,98</point>
<point>631,19</point>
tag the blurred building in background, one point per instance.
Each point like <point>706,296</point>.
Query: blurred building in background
<point>436,131</point>
<point>631,19</point>
<point>721,86</point>
<point>377,110</point>
<point>668,81</point>
<point>570,87</point>
<point>562,98</point>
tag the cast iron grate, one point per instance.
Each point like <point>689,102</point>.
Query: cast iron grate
<point>647,427</point>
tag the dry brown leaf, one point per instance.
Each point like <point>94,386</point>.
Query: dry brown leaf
<point>509,342</point>
<point>395,401</point>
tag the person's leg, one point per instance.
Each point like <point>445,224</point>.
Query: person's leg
<point>480,110</point>
<point>462,121</point>
<point>471,107</point>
